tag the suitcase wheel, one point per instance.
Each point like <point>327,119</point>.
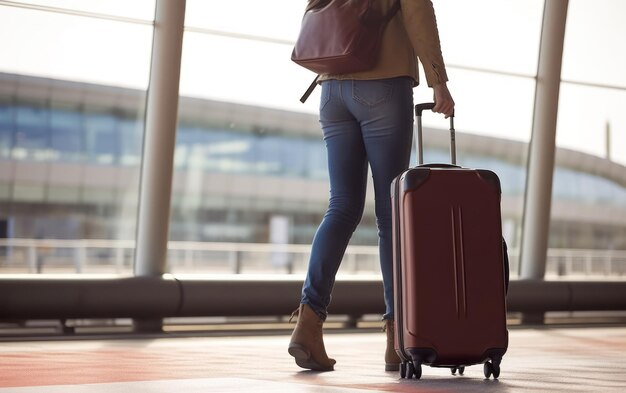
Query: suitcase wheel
<point>415,370</point>
<point>460,369</point>
<point>491,369</point>
<point>410,369</point>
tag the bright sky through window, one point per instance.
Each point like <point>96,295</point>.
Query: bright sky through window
<point>477,37</point>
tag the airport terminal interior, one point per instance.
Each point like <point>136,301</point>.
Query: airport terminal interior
<point>161,184</point>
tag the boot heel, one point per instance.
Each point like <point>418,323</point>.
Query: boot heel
<point>305,360</point>
<point>299,352</point>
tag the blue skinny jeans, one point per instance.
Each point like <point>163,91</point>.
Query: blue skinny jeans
<point>364,122</point>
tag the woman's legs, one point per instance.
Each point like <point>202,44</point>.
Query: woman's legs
<point>362,121</point>
<point>347,167</point>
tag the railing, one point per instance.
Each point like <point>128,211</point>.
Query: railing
<point>588,263</point>
<point>116,257</point>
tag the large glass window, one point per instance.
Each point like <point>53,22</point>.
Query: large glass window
<point>250,159</point>
<point>241,69</point>
<point>591,131</point>
<point>71,131</point>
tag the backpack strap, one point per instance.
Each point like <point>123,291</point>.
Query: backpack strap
<point>308,92</point>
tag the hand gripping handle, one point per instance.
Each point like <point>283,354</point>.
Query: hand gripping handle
<point>419,108</point>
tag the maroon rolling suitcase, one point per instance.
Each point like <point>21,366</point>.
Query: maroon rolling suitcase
<point>450,266</point>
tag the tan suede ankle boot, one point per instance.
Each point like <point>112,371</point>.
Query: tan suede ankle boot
<point>307,343</point>
<point>392,360</point>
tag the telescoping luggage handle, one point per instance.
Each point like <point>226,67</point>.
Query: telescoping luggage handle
<point>418,133</point>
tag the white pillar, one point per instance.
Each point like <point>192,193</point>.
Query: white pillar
<point>159,139</point>
<point>538,198</point>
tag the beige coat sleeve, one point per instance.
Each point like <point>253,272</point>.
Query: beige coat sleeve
<point>421,27</point>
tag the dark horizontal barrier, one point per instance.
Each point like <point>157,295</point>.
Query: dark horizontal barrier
<point>48,297</point>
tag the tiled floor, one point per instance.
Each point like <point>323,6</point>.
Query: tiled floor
<point>539,360</point>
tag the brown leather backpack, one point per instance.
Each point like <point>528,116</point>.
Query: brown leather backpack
<point>341,37</point>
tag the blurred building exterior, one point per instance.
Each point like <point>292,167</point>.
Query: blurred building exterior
<point>70,155</point>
